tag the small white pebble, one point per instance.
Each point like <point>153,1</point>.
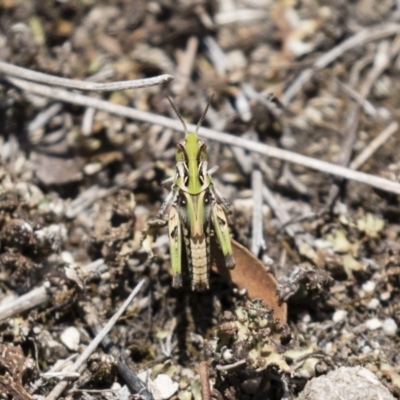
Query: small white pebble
<point>346,383</point>
<point>369,286</point>
<point>389,327</point>
<point>383,113</point>
<point>144,376</point>
<point>67,257</point>
<point>116,386</point>
<point>328,348</point>
<point>373,304</point>
<point>305,318</point>
<point>71,338</point>
<point>385,296</point>
<point>163,387</point>
<point>373,324</point>
<point>366,350</point>
<point>188,373</point>
<point>322,244</point>
<point>226,354</point>
<point>25,226</point>
<point>339,315</point>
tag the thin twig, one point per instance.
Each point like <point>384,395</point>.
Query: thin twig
<point>35,297</point>
<point>95,192</point>
<point>229,367</point>
<point>382,138</point>
<point>133,381</point>
<point>185,66</point>
<point>292,229</point>
<point>366,105</point>
<point>58,390</point>
<point>87,121</point>
<point>358,39</point>
<point>135,384</point>
<point>279,212</point>
<point>58,366</point>
<point>24,73</point>
<point>257,240</point>
<point>381,62</point>
<point>216,55</point>
<point>43,117</point>
<point>266,150</point>
<point>23,303</point>
<point>205,381</point>
<point>61,374</point>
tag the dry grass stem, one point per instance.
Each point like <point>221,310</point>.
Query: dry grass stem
<point>373,146</point>
<point>185,66</point>
<point>358,39</point>
<point>205,380</point>
<point>269,151</point>
<point>79,363</point>
<point>36,296</point>
<point>133,381</point>
<point>381,62</point>
<point>305,99</point>
<point>257,239</point>
<point>23,303</point>
<point>27,74</point>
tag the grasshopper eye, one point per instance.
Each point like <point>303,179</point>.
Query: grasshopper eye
<point>183,202</point>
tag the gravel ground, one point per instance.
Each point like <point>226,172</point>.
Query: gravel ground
<point>303,125</point>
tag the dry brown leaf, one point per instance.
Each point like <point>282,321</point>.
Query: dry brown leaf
<point>251,274</point>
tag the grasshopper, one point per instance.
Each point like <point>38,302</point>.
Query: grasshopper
<point>196,211</point>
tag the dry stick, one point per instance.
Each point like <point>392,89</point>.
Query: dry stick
<point>266,150</point>
<point>87,121</point>
<point>79,363</point>
<point>185,66</point>
<point>366,105</point>
<point>55,368</point>
<point>23,73</point>
<point>43,117</point>
<point>229,367</point>
<point>381,62</point>
<point>35,297</point>
<point>348,142</point>
<point>293,230</point>
<point>23,303</point>
<point>382,138</point>
<point>360,38</point>
<point>216,55</point>
<point>257,239</point>
<point>205,381</point>
<point>275,108</point>
<point>95,192</point>
<point>132,380</point>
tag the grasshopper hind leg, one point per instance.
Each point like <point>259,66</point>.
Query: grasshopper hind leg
<point>221,229</point>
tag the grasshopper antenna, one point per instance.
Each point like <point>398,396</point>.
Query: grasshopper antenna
<point>177,113</point>
<point>204,114</point>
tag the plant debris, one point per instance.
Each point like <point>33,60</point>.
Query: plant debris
<point>303,128</point>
